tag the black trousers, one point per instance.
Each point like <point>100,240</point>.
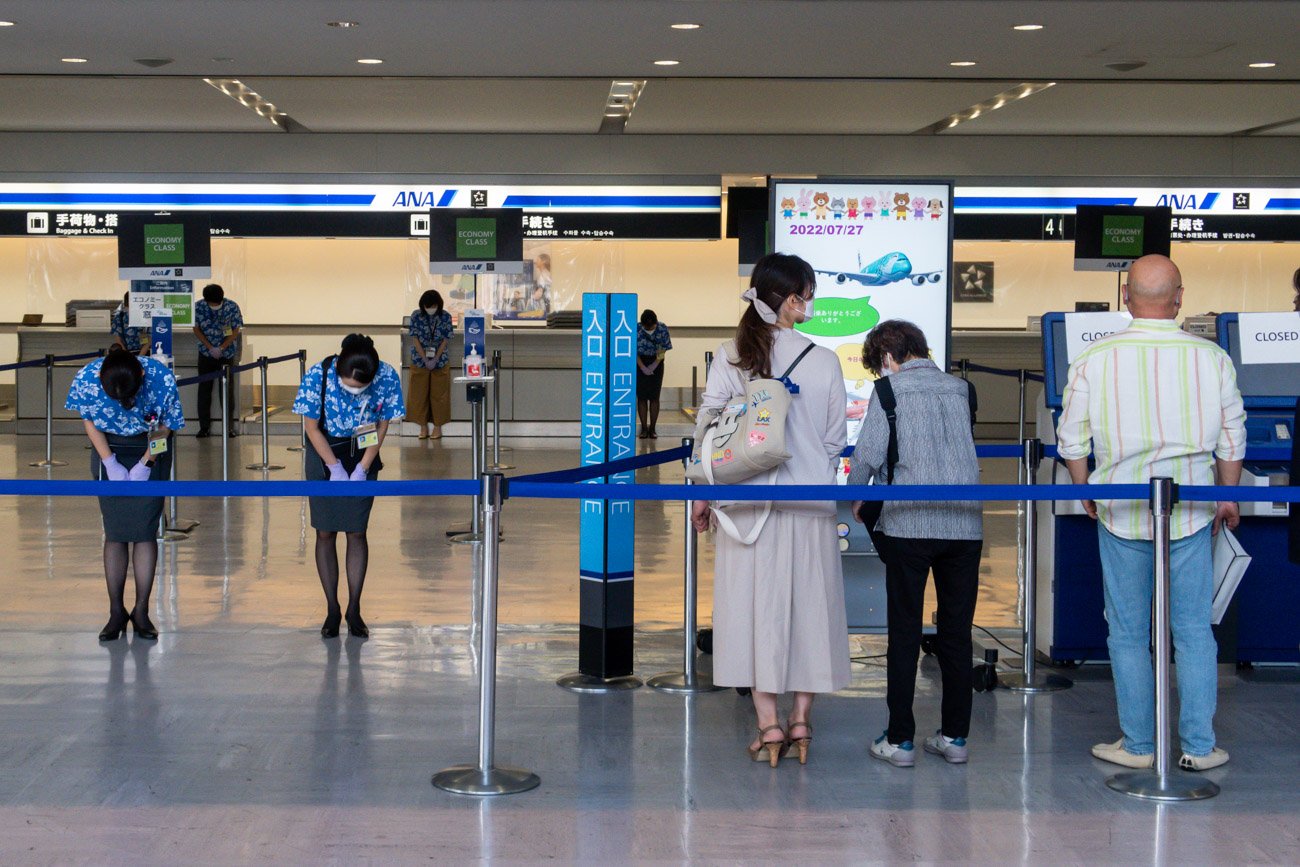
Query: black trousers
<point>956,566</point>
<point>208,364</point>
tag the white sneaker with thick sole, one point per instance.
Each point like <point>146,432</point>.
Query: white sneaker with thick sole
<point>1212,759</point>
<point>1117,755</point>
<point>899,755</point>
<point>953,750</point>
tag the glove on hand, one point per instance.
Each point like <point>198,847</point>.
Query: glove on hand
<point>115,471</point>
<point>140,472</point>
<point>337,473</point>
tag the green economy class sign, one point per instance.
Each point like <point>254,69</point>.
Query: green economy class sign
<point>164,244</point>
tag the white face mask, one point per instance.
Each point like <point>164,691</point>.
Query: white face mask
<point>885,369</point>
<point>807,313</point>
<point>354,389</point>
<point>431,311</point>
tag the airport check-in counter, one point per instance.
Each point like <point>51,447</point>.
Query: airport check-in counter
<point>1260,624</point>
<point>34,343</point>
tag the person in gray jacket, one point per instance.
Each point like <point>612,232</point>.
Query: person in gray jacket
<point>934,414</point>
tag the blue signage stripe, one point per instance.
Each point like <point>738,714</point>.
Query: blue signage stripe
<point>447,196</point>
<point>1039,202</point>
<point>1208,201</point>
<point>190,199</point>
<point>713,202</point>
<point>1283,205</point>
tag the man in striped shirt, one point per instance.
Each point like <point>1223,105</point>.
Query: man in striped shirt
<point>1152,401</point>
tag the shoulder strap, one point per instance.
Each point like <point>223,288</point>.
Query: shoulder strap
<point>973,400</point>
<point>733,354</point>
<point>789,370</point>
<point>885,394</point>
<point>324,380</point>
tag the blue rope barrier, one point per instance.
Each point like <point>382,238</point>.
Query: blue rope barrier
<point>582,474</point>
<point>278,359</point>
<point>252,365</point>
<point>18,365</point>
<point>205,377</point>
<point>998,371</point>
<point>82,357</point>
<point>91,488</point>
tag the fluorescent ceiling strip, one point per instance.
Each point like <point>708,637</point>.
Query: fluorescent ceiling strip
<point>255,102</point>
<point>619,105</point>
<point>1020,91</point>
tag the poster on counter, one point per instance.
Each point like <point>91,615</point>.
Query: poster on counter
<point>882,249</point>
<point>1269,338</point>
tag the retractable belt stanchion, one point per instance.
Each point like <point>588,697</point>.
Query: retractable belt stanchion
<point>1027,680</point>
<point>496,465</point>
<point>1162,783</point>
<point>486,778</point>
<point>266,444</point>
<point>302,419</point>
<point>174,529</point>
<point>476,392</point>
<point>1021,417</point>
<point>49,419</point>
<point>225,423</point>
<point>687,680</point>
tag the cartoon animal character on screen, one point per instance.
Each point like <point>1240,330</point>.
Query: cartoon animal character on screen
<point>936,209</point>
<point>805,202</point>
<point>820,201</point>
<point>868,207</point>
<point>900,205</point>
<point>787,207</point>
<point>837,207</point>
<point>853,209</point>
<point>918,206</point>
<point>884,205</point>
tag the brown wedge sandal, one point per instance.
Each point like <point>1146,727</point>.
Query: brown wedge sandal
<point>774,750</point>
<point>799,746</point>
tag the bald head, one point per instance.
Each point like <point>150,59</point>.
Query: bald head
<point>1154,287</point>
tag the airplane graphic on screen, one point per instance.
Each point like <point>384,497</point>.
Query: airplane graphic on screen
<point>889,268</point>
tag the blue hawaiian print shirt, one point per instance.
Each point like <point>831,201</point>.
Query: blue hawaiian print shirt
<point>649,344</point>
<point>130,336</point>
<point>431,331</point>
<point>346,412</point>
<point>216,325</point>
<point>157,400</point>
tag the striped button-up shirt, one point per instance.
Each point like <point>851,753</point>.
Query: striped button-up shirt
<point>1152,401</point>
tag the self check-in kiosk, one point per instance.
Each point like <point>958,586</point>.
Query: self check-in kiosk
<point>1261,624</point>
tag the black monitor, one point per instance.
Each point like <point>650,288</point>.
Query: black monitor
<point>1262,386</point>
<point>747,222</point>
<point>164,246</point>
<point>476,241</point>
<point>1110,237</point>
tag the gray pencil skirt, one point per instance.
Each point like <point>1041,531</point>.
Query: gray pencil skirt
<point>131,519</point>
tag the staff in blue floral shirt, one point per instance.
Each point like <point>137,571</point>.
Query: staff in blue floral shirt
<point>217,323</point>
<point>348,401</point>
<point>123,334</point>
<point>429,393</point>
<point>652,343</point>
<point>129,406</point>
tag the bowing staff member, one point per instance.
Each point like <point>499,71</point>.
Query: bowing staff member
<point>130,406</point>
<point>652,344</point>
<point>217,323</point>
<point>123,334</point>
<point>429,396</point>
<point>348,401</point>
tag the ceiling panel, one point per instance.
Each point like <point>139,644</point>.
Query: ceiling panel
<point>87,104</point>
<point>1140,108</point>
<point>439,105</point>
<point>784,106</point>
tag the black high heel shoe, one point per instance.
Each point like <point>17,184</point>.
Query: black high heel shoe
<point>356,626</point>
<point>330,628</point>
<point>115,628</point>
<point>143,629</point>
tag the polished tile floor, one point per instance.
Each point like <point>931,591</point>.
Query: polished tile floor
<point>240,736</point>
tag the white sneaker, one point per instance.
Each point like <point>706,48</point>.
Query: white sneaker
<point>1212,759</point>
<point>899,755</point>
<point>953,750</point>
<point>1117,755</point>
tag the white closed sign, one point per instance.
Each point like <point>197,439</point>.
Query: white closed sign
<point>1084,329</point>
<point>1269,338</point>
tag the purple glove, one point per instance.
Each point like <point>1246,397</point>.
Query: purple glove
<point>140,472</point>
<point>115,471</point>
<point>337,473</point>
<point>358,475</point>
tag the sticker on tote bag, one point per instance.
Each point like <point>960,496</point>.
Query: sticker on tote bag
<point>757,437</point>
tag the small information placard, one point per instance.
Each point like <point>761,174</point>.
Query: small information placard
<point>174,296</point>
<point>1269,338</point>
<point>1081,329</point>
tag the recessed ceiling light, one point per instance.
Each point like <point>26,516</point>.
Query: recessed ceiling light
<point>1263,65</point>
<point>613,114</point>
<point>73,59</point>
<point>370,61</point>
<point>6,24</point>
<point>1028,27</point>
<point>343,24</point>
<point>962,63</point>
<point>686,26</point>
<point>667,62</point>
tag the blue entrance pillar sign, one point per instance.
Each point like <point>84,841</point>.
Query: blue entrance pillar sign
<point>606,558</point>
<point>160,336</point>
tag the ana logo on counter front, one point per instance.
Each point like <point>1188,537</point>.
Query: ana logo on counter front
<point>164,244</point>
<point>476,238</point>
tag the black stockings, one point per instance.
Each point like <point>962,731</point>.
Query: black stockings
<point>144,558</point>
<point>327,565</point>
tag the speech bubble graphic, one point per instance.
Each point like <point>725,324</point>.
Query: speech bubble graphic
<point>851,364</point>
<point>841,317</point>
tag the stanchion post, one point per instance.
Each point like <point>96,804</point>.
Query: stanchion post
<point>1027,679</point>
<point>695,385</point>
<point>486,778</point>
<point>49,418</point>
<point>302,420</point>
<point>687,681</point>
<point>1021,417</point>
<point>477,394</point>
<point>1162,783</point>
<point>496,465</point>
<point>266,407</point>
<point>225,423</point>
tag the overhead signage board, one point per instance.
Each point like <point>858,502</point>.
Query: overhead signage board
<point>882,249</point>
<point>1110,237</point>
<point>1192,201</point>
<point>163,246</point>
<point>476,241</point>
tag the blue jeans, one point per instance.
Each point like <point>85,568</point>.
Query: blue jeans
<point>1128,575</point>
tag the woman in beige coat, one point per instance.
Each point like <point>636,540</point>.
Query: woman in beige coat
<point>778,605</point>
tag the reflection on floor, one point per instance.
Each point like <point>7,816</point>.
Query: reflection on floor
<point>241,736</point>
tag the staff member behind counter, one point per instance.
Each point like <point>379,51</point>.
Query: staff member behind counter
<point>217,322</point>
<point>348,400</point>
<point>429,397</point>
<point>123,334</point>
<point>130,406</point>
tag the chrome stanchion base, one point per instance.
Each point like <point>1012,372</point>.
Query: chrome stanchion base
<point>263,467</point>
<point>182,525</point>
<point>465,538</point>
<point>675,682</point>
<point>293,448</point>
<point>1017,682</point>
<point>1174,786</point>
<point>170,535</point>
<point>500,468</point>
<point>469,780</point>
<point>588,683</point>
<point>48,464</point>
<point>459,529</point>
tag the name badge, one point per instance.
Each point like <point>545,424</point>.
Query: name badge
<point>227,332</point>
<point>157,443</point>
<point>431,354</point>
<point>366,436</point>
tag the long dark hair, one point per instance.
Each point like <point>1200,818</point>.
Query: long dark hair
<point>775,278</point>
<point>121,375</point>
<point>431,298</point>
<point>358,359</point>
